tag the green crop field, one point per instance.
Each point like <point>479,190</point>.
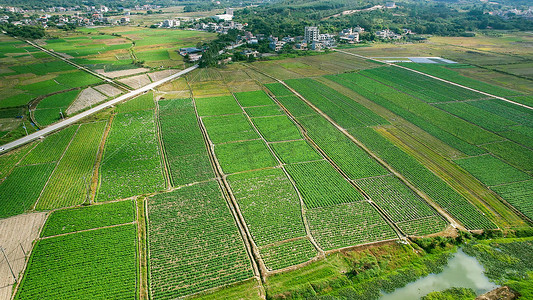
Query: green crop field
<point>184,146</point>
<point>402,205</point>
<point>90,217</point>
<point>50,148</point>
<point>269,205</point>
<point>244,156</point>
<point>131,163</point>
<point>15,197</point>
<point>424,180</point>
<point>263,111</point>
<point>295,151</point>
<point>349,157</point>
<point>68,266</point>
<point>194,243</point>
<point>321,185</point>
<point>287,254</point>
<point>518,194</point>
<point>492,171</point>
<point>230,128</point>
<point>348,224</point>
<point>254,98</point>
<point>142,102</point>
<point>277,128</point>
<point>214,106</point>
<point>69,184</point>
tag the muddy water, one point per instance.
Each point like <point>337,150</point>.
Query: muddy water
<point>462,271</point>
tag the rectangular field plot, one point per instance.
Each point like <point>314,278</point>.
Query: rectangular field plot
<point>278,89</point>
<point>296,106</point>
<point>401,204</point>
<point>131,163</point>
<point>506,110</point>
<point>477,116</point>
<point>349,157</point>
<point>142,102</point>
<point>230,128</point>
<point>184,144</point>
<point>264,111</point>
<point>519,195</point>
<point>269,204</point>
<point>347,225</point>
<point>425,88</point>
<point>214,106</point>
<point>50,148</point>
<point>423,179</point>
<point>345,111</point>
<point>253,98</point>
<point>244,156</point>
<point>321,185</point>
<point>88,217</point>
<point>194,243</point>
<point>69,185</point>
<point>424,226</point>
<point>287,254</point>
<point>97,264</point>
<point>295,151</point>
<point>513,154</point>
<point>491,171</point>
<point>278,128</point>
<point>20,190</point>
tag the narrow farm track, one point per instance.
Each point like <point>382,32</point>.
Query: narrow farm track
<point>281,166</point>
<point>164,161</point>
<point>224,186</point>
<point>72,120</point>
<point>437,78</point>
<point>95,178</point>
<point>142,246</point>
<point>92,229</point>
<point>426,198</point>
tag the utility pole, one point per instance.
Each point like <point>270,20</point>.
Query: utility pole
<point>8,264</point>
<point>61,113</point>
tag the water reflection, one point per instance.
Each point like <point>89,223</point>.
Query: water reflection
<point>462,271</point>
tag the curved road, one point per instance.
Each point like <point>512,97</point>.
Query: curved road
<point>76,118</point>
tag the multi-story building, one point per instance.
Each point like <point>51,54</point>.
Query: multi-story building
<point>311,34</point>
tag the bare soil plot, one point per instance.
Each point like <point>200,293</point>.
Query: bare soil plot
<point>136,82</point>
<point>162,74</point>
<point>16,233</point>
<point>122,73</point>
<point>86,98</point>
<point>108,90</point>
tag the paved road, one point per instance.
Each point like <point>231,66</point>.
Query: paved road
<point>76,118</point>
<point>437,78</point>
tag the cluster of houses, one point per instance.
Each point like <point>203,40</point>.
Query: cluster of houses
<point>507,13</point>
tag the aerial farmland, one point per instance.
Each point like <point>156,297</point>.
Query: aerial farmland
<point>129,171</point>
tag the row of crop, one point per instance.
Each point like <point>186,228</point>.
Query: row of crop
<point>96,264</point>
<point>346,112</point>
<point>425,88</point>
<point>491,170</point>
<point>277,128</point>
<point>519,195</point>
<point>424,179</point>
<point>244,156</point>
<point>295,152</point>
<point>476,115</point>
<point>269,205</point>
<point>20,190</point>
<point>348,156</point>
<point>400,203</point>
<point>229,128</point>
<point>424,226</point>
<point>348,225</point>
<point>441,71</point>
<point>380,94</point>
<point>522,135</point>
<point>512,153</point>
<point>391,99</point>
<point>88,217</point>
<point>194,243</point>
<point>50,148</point>
<point>185,149</point>
<point>131,163</point>
<point>287,254</point>
<point>69,185</point>
<point>321,185</point>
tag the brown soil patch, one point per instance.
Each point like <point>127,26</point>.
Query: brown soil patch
<point>16,237</point>
<point>108,90</point>
<point>86,98</point>
<point>136,81</point>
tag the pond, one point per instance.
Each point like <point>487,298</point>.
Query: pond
<point>462,271</point>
